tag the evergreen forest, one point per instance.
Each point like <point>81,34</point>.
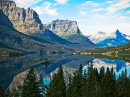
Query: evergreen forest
<point>89,82</point>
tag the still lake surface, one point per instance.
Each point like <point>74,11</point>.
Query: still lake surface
<point>13,70</point>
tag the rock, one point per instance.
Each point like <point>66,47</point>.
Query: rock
<point>63,27</point>
<point>23,20</point>
<point>4,20</point>
<point>69,30</point>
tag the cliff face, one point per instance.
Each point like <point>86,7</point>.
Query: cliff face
<point>69,30</point>
<point>63,27</point>
<point>23,20</point>
<point>4,20</point>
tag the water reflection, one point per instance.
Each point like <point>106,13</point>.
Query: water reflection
<point>118,65</point>
<point>14,66</point>
<point>14,70</point>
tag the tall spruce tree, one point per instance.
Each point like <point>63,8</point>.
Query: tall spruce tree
<point>75,86</point>
<point>30,86</point>
<point>108,83</point>
<point>123,85</point>
<point>2,92</point>
<point>57,87</point>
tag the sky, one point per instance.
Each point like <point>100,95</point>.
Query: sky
<point>92,16</point>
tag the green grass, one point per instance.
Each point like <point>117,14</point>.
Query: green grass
<point>67,36</point>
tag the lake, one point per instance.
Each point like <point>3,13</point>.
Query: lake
<point>13,70</point>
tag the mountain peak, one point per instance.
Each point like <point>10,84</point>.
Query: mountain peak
<point>23,20</point>
<point>63,27</point>
<point>100,32</point>
<point>117,31</point>
<point>109,39</point>
<point>4,3</point>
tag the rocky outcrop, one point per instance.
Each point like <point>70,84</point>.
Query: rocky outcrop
<point>23,20</point>
<point>69,30</point>
<point>27,21</point>
<point>63,27</point>
<point>4,20</point>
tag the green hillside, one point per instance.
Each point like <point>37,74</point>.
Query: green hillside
<point>120,52</point>
<point>9,52</point>
<point>15,40</point>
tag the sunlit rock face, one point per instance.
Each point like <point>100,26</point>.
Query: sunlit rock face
<point>23,20</point>
<point>63,27</point>
<point>70,31</point>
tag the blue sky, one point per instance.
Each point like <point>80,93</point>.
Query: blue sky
<point>92,15</point>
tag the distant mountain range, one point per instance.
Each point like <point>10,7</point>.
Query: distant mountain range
<point>21,29</point>
<point>103,39</point>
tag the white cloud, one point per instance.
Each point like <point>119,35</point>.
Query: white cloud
<point>122,17</point>
<point>82,20</point>
<point>89,3</point>
<point>121,4</point>
<point>82,13</point>
<point>92,29</point>
<point>109,2</point>
<point>46,8</point>
<point>128,12</point>
<point>61,1</point>
<point>26,3</point>
<point>97,10</point>
<point>98,16</point>
<point>117,15</point>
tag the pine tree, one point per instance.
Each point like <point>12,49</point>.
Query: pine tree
<point>57,87</point>
<point>75,86</point>
<point>123,85</point>
<point>30,86</point>
<point>108,83</point>
<point>2,92</point>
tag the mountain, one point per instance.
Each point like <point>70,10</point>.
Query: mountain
<point>69,30</point>
<point>28,22</point>
<point>63,27</point>
<point>24,20</point>
<point>4,20</point>
<point>103,39</point>
<point>15,40</point>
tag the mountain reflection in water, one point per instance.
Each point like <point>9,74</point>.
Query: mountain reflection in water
<point>14,70</point>
<point>13,66</point>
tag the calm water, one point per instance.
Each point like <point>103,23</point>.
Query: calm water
<point>14,70</point>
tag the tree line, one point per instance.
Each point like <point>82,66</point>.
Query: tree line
<point>89,82</point>
<point>119,50</point>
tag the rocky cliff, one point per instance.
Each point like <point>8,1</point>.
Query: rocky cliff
<point>63,27</point>
<point>23,20</point>
<point>4,20</point>
<point>27,21</point>
<point>69,30</point>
